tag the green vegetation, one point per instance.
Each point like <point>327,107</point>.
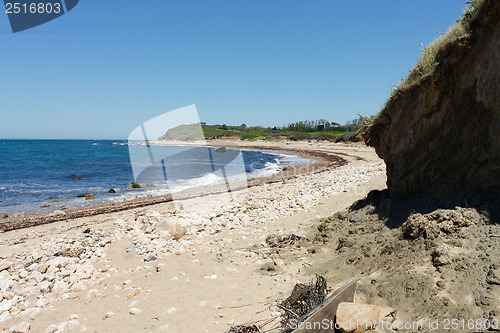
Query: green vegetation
<point>430,55</point>
<point>302,130</point>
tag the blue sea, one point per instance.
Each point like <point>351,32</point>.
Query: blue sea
<point>40,176</point>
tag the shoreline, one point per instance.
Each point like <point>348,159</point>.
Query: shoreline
<point>144,269</point>
<point>324,160</point>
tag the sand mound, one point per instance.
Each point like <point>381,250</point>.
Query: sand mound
<point>438,265</point>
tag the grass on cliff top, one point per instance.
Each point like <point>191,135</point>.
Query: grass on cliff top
<point>430,54</point>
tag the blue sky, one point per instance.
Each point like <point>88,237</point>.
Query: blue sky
<point>107,66</point>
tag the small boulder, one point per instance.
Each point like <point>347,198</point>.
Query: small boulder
<point>221,150</point>
<point>89,197</point>
<point>135,185</point>
<point>356,318</point>
<point>112,190</point>
<point>3,216</point>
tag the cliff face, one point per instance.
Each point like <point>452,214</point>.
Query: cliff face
<point>442,134</point>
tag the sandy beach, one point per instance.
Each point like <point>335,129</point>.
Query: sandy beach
<point>199,264</point>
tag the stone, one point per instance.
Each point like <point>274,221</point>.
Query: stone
<point>94,293</point>
<point>134,311</point>
<point>73,322</point>
<point>33,313</point>
<point>171,310</point>
<point>5,317</point>
<point>108,314</point>
<point>173,227</point>
<point>5,284</point>
<point>5,264</point>
<point>41,303</point>
<point>150,257</point>
<point>51,329</point>
<point>8,295</point>
<point>62,326</point>
<point>89,197</point>
<point>356,318</point>
<point>5,305</point>
<point>22,327</point>
<point>59,212</point>
<point>77,287</point>
<point>45,287</point>
<point>3,216</point>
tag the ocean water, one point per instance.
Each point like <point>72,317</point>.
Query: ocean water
<point>52,173</point>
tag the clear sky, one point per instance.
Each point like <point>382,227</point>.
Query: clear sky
<point>107,66</point>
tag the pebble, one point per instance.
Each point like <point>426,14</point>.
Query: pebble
<point>94,293</point>
<point>6,305</point>
<point>150,257</point>
<point>108,314</point>
<point>41,303</point>
<point>134,311</point>
<point>51,329</point>
<point>22,327</point>
<point>5,317</point>
<point>62,326</point>
<point>34,313</point>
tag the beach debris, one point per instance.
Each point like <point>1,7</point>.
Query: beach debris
<point>303,299</point>
<point>89,197</point>
<point>392,314</point>
<point>282,241</point>
<point>245,329</point>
